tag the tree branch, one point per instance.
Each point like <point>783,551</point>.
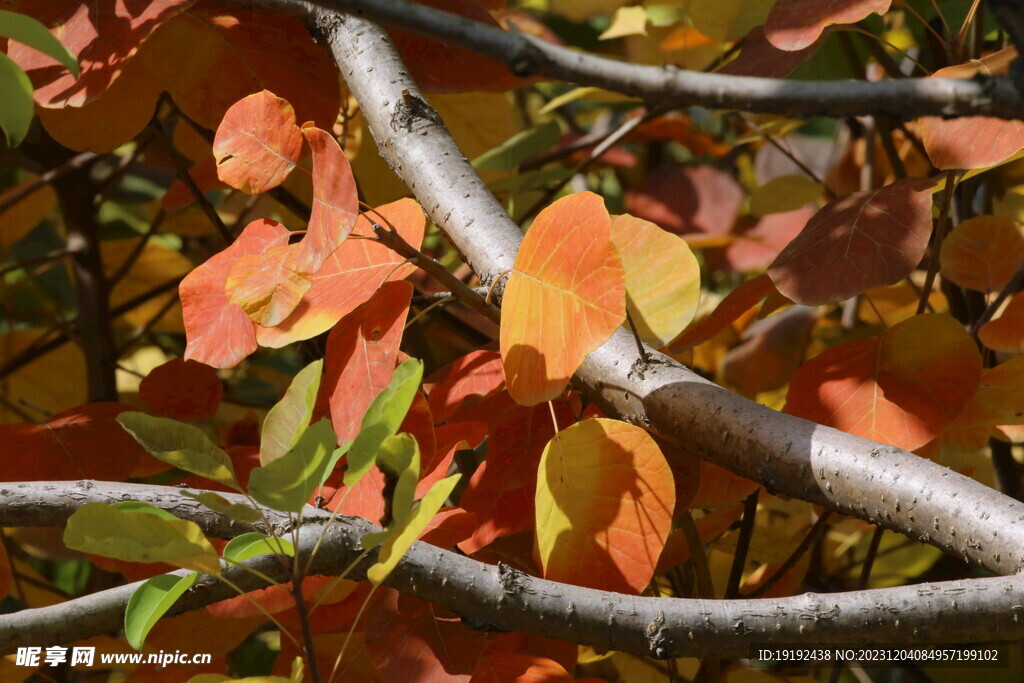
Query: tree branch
<point>975,610</point>
<point>525,55</point>
<point>788,455</point>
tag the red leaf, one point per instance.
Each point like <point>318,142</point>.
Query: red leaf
<point>901,387</point>
<point>501,491</point>
<point>687,199</point>
<point>758,245</point>
<point>85,442</point>
<point>349,277</point>
<point>863,240</point>
<point>335,201</point>
<point>760,58</point>
<point>361,355</point>
<point>509,667</point>
<point>450,438</point>
<point>796,24</point>
<point>182,389</point>
<point>972,141</point>
<point>475,376</point>
<point>219,332</point>
<point>771,351</point>
<point>257,143</point>
<point>738,302</point>
<point>103,34</point>
<point>413,640</point>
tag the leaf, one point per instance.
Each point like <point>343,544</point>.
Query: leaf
<point>136,536</point>
<point>475,376</point>
<point>219,332</point>
<point>349,277</point>
<point>247,546</point>
<point>289,417</point>
<point>738,302</point>
<point>726,20</point>
<point>514,667</point>
<point>29,32</point>
<point>784,193</point>
<point>16,107</point>
<point>1006,333</point>
<point>508,155</point>
<point>361,353</point>
<point>155,266</point>
<point>901,387</point>
<point>383,418</point>
<point>181,445</point>
<point>103,36</point>
<point>770,352</point>
<point>627,21</point>
<point>257,143</point>
<point>983,253</point>
<point>760,58</point>
<point>662,278</point>
<point>857,242</point>
<point>796,24</point>
<point>501,491</point>
<point>288,482</point>
<point>757,242</point>
<point>687,199</point>
<point>564,298</point>
<point>218,503</point>
<point>972,141</point>
<point>21,217</point>
<point>605,496</point>
<point>150,602</point>
<point>335,202</point>
<point>998,401</point>
<point>85,442</point>
<point>268,285</point>
<point>182,389</point>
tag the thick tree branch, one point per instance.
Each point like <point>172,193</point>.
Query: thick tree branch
<point>528,56</point>
<point>788,455</point>
<point>976,610</point>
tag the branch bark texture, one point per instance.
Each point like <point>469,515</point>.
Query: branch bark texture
<point>502,598</point>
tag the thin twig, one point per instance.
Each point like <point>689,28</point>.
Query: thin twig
<point>732,588</point>
<point>940,234</point>
<point>73,164</point>
<point>809,539</point>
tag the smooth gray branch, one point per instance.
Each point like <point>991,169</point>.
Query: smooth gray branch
<point>975,610</point>
<point>525,55</point>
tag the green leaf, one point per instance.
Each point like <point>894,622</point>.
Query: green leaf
<point>218,503</point>
<point>289,417</point>
<point>241,548</point>
<point>16,104</point>
<point>508,155</point>
<point>406,533</point>
<point>150,602</point>
<point>288,482</point>
<point>30,32</point>
<point>383,418</point>
<point>399,456</point>
<point>146,508</point>
<point>135,535</point>
<point>181,445</point>
<point>533,180</point>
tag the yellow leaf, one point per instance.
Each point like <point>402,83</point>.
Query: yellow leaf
<point>784,193</point>
<point>627,21</point>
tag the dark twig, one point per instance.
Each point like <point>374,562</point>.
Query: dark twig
<point>809,539</point>
<point>732,589</point>
<point>940,234</point>
<point>73,164</point>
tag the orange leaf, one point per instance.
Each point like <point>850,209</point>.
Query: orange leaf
<point>104,35</point>
<point>983,253</point>
<point>1006,333</point>
<point>335,202</point>
<point>182,389</point>
<point>998,401</point>
<point>513,667</point>
<point>605,497</point>
<point>863,240</point>
<point>268,285</point>
<point>902,387</point>
<point>796,24</point>
<point>738,302</point>
<point>662,278</point>
<point>763,239</point>
<point>257,143</point>
<point>349,277</point>
<point>361,355</point>
<point>475,376</point>
<point>85,442</point>
<point>564,298</point>
<point>502,490</point>
<point>972,141</point>
<point>219,332</point>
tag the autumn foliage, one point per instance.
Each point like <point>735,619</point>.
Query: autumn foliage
<point>266,337</point>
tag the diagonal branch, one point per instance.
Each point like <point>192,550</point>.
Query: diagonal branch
<point>880,484</point>
<point>528,56</point>
<point>975,610</point>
